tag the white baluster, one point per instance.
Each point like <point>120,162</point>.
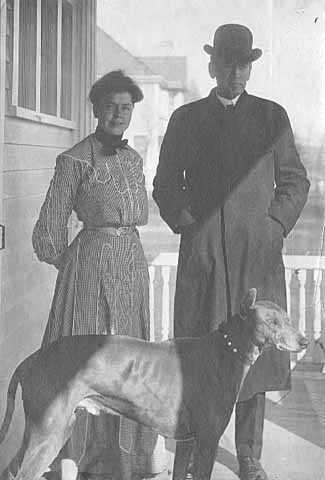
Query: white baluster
<point>317,304</point>
<point>69,470</point>
<point>165,302</point>
<point>302,277</point>
<point>288,275</point>
<point>322,319</point>
<point>152,271</point>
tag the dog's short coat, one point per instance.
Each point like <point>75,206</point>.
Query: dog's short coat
<point>184,388</point>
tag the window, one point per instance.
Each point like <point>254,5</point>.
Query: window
<point>66,60</point>
<point>49,56</point>
<point>40,60</point>
<point>27,54</point>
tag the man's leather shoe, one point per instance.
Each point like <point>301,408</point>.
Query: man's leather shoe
<point>251,469</point>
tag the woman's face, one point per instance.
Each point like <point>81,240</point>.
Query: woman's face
<point>114,112</point>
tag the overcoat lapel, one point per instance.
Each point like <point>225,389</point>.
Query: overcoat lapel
<point>225,142</point>
<point>219,143</point>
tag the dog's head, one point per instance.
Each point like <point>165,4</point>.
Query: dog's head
<point>270,325</point>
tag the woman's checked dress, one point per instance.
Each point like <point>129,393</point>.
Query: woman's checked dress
<point>102,285</point>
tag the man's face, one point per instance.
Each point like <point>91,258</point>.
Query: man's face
<point>231,77</point>
<point>114,112</point>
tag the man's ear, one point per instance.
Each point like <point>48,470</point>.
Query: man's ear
<point>250,69</point>
<point>212,69</point>
<point>95,110</point>
<point>248,302</point>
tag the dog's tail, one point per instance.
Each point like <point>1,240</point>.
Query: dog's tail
<point>11,395</point>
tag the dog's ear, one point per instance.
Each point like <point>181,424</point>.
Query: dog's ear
<point>248,302</point>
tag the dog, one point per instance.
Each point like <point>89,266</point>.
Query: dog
<point>184,388</point>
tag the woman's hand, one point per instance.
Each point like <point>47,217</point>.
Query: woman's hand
<point>59,261</point>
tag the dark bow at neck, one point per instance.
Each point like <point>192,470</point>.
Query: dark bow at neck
<point>110,142</point>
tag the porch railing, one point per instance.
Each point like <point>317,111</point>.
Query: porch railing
<point>305,285</point>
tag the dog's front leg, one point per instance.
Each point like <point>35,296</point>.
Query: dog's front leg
<point>182,458</point>
<point>11,471</point>
<point>204,455</point>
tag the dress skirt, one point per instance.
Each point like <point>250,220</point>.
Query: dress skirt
<point>103,288</point>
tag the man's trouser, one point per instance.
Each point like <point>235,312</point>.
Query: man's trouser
<point>249,426</point>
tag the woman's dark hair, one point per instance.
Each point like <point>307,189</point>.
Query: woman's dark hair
<point>116,82</point>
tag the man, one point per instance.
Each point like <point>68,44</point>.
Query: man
<point>230,181</point>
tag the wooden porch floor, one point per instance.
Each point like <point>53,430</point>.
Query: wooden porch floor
<point>294,433</point>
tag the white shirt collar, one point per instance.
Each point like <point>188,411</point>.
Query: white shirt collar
<point>227,101</point>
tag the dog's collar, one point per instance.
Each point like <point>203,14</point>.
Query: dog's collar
<point>246,359</point>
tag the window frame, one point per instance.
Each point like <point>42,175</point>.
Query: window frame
<point>36,115</point>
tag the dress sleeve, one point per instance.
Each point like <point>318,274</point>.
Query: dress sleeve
<point>50,235</point>
<point>291,180</point>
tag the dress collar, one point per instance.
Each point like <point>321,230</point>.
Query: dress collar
<point>110,142</point>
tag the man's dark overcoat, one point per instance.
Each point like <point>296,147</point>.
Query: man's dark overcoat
<point>239,175</point>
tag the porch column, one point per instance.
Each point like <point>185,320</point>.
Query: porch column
<point>86,47</point>
<point>3,17</point>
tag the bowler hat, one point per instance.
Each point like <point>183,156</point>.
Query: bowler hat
<point>233,42</point>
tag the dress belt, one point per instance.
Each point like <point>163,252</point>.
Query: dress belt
<point>112,229</point>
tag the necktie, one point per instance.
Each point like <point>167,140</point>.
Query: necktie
<point>110,142</point>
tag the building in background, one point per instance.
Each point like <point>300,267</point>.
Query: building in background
<point>47,65</point>
<point>164,84</point>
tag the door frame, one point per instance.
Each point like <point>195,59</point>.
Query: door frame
<point>3,24</point>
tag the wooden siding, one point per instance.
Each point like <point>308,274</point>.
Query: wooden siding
<point>29,152</point>
<point>29,157</point>
<point>24,132</point>
<point>27,285</point>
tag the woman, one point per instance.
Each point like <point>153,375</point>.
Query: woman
<point>102,283</point>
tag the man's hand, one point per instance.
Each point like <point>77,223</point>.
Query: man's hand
<point>277,228</point>
<point>185,220</point>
